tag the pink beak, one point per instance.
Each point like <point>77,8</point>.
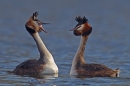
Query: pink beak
<point>41,27</point>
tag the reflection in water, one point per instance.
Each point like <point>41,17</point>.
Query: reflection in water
<point>35,79</point>
<point>80,76</point>
<point>44,76</point>
<point>38,76</point>
<point>42,79</point>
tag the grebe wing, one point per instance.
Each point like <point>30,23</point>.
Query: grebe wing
<point>96,67</point>
<point>27,64</point>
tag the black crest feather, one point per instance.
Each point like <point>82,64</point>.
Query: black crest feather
<point>80,19</point>
<point>35,15</point>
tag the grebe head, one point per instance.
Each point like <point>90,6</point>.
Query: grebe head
<point>82,28</point>
<point>34,25</point>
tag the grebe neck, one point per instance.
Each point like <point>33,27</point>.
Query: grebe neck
<point>79,56</point>
<point>45,55</point>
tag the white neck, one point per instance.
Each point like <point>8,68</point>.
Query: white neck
<point>79,56</point>
<point>81,48</point>
<point>45,55</point>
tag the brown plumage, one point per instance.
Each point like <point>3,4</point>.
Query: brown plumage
<point>79,66</point>
<point>29,67</point>
<point>96,70</point>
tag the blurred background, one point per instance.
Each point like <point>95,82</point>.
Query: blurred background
<point>108,43</point>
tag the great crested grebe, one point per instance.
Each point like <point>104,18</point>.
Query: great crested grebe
<point>45,64</point>
<point>79,66</point>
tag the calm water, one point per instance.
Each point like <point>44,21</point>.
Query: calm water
<point>108,43</point>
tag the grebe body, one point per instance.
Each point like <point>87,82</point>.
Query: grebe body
<point>45,64</point>
<point>79,66</point>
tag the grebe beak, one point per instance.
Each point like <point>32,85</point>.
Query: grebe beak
<point>75,28</point>
<point>41,27</point>
<point>45,23</point>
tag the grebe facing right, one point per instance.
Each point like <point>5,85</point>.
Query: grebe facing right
<point>79,66</point>
<point>45,64</point>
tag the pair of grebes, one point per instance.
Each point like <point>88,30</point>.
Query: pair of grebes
<point>46,64</point>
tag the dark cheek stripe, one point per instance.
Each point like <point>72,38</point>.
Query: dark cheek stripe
<point>87,33</point>
<point>77,33</point>
<point>31,31</point>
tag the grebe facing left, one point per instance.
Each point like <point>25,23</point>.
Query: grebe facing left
<point>45,64</point>
<point>79,66</point>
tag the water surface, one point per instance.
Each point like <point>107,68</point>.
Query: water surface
<point>108,43</point>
